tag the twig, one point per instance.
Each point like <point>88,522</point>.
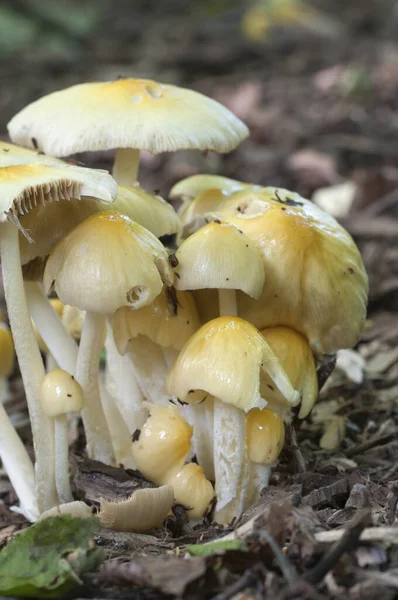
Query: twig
<point>246,580</point>
<point>288,570</point>
<point>291,446</point>
<point>381,440</point>
<point>387,535</point>
<point>325,369</point>
<point>383,204</point>
<point>347,543</point>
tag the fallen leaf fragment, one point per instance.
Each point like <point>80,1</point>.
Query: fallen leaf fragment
<point>49,558</point>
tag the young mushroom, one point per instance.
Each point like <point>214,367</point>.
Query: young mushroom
<point>265,436</point>
<point>22,187</point>
<point>218,256</point>
<point>160,450</point>
<point>106,262</point>
<point>129,115</point>
<point>225,359</point>
<point>61,394</point>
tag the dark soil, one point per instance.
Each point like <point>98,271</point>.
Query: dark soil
<point>322,109</point>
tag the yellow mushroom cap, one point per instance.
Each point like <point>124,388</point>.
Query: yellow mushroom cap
<point>191,187</point>
<point>25,186</point>
<point>60,393</point>
<point>162,444</point>
<point>219,256</point>
<point>15,155</point>
<point>106,262</point>
<point>225,358</point>
<point>152,212</point>
<point>265,434</point>
<point>7,353</point>
<point>127,113</point>
<point>315,278</point>
<point>192,489</point>
<point>295,354</point>
<point>157,322</point>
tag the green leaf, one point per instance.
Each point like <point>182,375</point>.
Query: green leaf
<point>215,547</point>
<point>49,558</point>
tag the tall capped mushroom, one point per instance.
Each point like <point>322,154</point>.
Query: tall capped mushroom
<point>218,256</point>
<point>152,336</point>
<point>315,278</point>
<point>61,394</point>
<point>225,358</point>
<point>129,115</point>
<point>106,262</point>
<point>22,187</point>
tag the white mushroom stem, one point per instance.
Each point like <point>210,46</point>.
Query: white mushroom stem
<point>57,339</point>
<point>51,363</point>
<point>230,449</point>
<point>62,481</point>
<point>125,167</point>
<point>120,435</point>
<point>230,461</point>
<point>150,369</point>
<point>99,445</point>
<point>4,390</point>
<point>201,417</point>
<point>122,385</point>
<point>18,466</point>
<point>30,364</point>
<point>227,303</point>
<point>258,480</point>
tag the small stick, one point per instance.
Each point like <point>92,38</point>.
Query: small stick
<point>381,440</point>
<point>347,543</point>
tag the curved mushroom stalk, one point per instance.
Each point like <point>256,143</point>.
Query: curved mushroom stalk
<point>30,364</point>
<point>118,430</point>
<point>59,342</point>
<point>122,385</point>
<point>99,444</point>
<point>18,467</point>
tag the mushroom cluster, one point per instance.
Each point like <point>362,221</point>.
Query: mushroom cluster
<point>210,345</point>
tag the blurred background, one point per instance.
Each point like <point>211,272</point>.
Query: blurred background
<point>315,80</point>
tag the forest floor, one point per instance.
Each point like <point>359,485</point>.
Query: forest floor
<point>323,110</point>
